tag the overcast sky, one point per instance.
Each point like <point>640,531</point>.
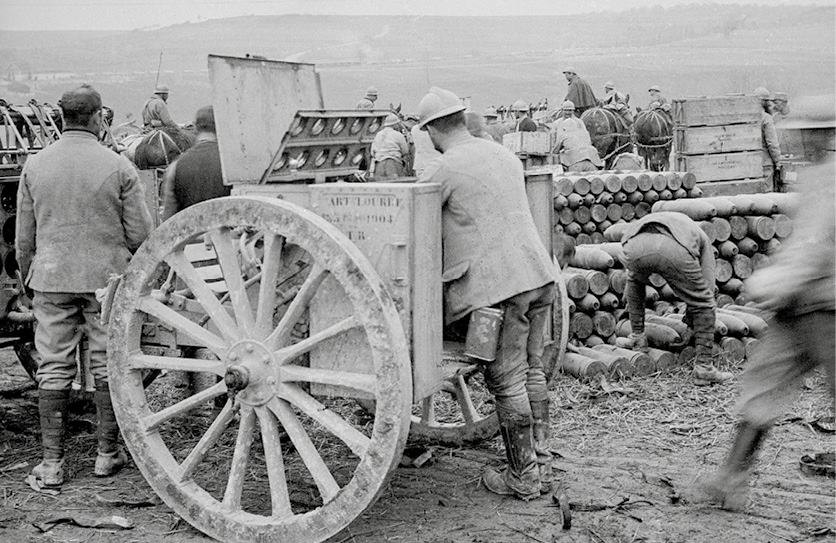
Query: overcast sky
<point>133,14</point>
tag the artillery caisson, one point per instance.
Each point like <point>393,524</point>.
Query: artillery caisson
<point>300,300</point>
<point>24,131</point>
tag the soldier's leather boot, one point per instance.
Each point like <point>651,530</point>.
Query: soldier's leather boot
<point>730,485</point>
<point>110,458</point>
<point>521,477</point>
<point>705,373</point>
<point>541,426</point>
<point>53,407</point>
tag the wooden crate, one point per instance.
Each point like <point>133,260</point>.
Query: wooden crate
<point>528,143</point>
<point>716,111</point>
<point>718,139</point>
<point>730,188</point>
<point>722,166</point>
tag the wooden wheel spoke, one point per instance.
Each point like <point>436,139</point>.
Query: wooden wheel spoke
<point>147,361</point>
<point>351,436</point>
<point>357,381</point>
<point>428,409</point>
<point>182,324</point>
<point>204,295</point>
<point>282,332</point>
<point>152,422</point>
<point>270,267</point>
<point>238,469</point>
<point>328,487</point>
<point>216,429</point>
<point>292,351</point>
<point>231,269</point>
<point>279,495</point>
<point>465,402</point>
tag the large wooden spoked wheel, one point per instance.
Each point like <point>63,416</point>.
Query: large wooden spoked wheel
<point>274,463</point>
<point>463,410</point>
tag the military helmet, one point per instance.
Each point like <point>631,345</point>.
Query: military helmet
<point>491,112</point>
<point>568,105</point>
<point>161,89</point>
<point>654,88</point>
<point>391,120</point>
<point>519,105</point>
<point>438,103</point>
<point>371,92</point>
<point>569,70</point>
<point>762,93</point>
<point>609,85</point>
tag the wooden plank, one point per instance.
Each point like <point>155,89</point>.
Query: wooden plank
<point>722,166</point>
<point>718,139</point>
<point>716,111</point>
<point>730,188</point>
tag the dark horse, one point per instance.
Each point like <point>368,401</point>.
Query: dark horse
<point>608,133</point>
<point>161,147</point>
<point>653,136</point>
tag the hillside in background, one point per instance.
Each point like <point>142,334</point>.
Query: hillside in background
<point>691,50</point>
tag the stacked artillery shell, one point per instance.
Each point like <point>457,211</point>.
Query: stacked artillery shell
<point>745,231</point>
<point>586,205</point>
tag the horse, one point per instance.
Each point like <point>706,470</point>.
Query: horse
<point>608,132</point>
<point>161,147</point>
<point>653,136</point>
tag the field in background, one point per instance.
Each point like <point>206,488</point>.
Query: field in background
<point>690,50</point>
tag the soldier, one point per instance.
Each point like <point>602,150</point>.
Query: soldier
<point>492,125</point>
<point>155,111</point>
<point>476,126</point>
<point>573,145</point>
<point>769,139</point>
<point>612,96</point>
<point>617,102</point>
<point>367,102</point>
<point>798,288</point>
<point>672,245</point>
<point>656,98</point>
<point>81,213</point>
<point>523,121</point>
<point>196,175</point>
<point>493,257</point>
<point>389,149</point>
<point>780,107</point>
<point>580,93</point>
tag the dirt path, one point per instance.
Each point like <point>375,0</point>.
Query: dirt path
<point>642,450</point>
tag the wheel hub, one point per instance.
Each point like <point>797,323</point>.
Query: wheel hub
<point>251,372</point>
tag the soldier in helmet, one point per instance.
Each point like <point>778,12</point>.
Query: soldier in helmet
<point>573,145</point>
<point>580,93</point>
<point>494,128</point>
<point>367,102</point>
<point>155,111</point>
<point>617,102</point>
<point>389,150</point>
<point>656,99</point>
<point>523,121</point>
<point>493,258</point>
<point>769,138</point>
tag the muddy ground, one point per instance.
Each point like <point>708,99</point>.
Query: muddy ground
<point>627,457</point>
